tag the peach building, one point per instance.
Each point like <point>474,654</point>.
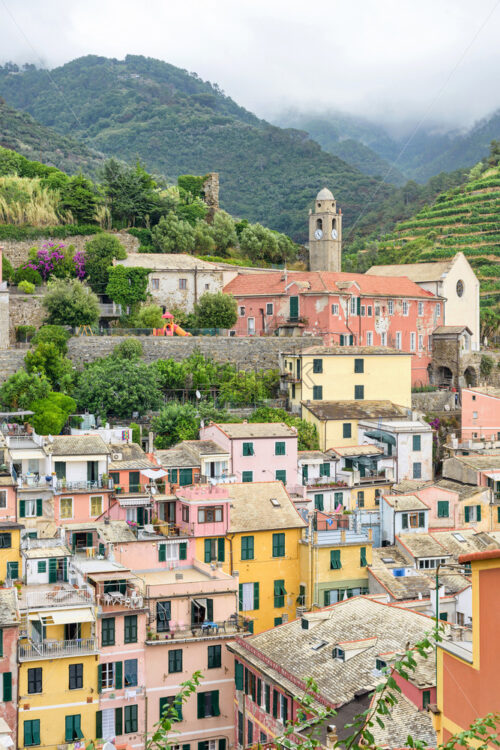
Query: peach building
<point>481,414</point>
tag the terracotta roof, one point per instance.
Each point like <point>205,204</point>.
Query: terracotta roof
<point>488,554</point>
<point>316,282</point>
<point>354,409</point>
<point>417,272</point>
<point>259,506</point>
<point>78,445</point>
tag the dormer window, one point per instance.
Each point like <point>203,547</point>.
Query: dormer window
<point>380,664</point>
<point>338,653</point>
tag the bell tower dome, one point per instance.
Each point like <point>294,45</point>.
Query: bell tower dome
<point>325,233</point>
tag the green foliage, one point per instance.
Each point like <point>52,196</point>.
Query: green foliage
<point>47,360</point>
<point>7,269</point>
<point>117,387</point>
<point>224,232</point>
<point>193,184</point>
<point>173,235</point>
<point>259,243</point>
<point>70,303</point>
<point>307,433</point>
<point>129,349</point>
<point>27,287</point>
<point>127,286</point>
<point>160,737</point>
<point>13,232</point>
<point>57,335</point>
<point>136,432</point>
<point>176,422</point>
<point>25,333</point>
<point>244,388</point>
<point>27,274</point>
<point>204,242</point>
<point>51,413</point>
<point>216,310</point>
<point>78,197</point>
<point>21,389</point>
<point>99,255</point>
<point>144,237</point>
<point>150,316</point>
<point>486,365</point>
<point>130,191</point>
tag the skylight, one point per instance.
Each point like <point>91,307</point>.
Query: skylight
<point>458,537</point>
<point>274,501</point>
<point>387,559</point>
<point>319,645</point>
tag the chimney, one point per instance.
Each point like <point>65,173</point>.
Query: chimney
<point>331,736</point>
<point>151,445</point>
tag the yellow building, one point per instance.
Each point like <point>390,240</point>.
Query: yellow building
<point>10,550</point>
<point>337,421</point>
<point>354,373</point>
<point>58,657</point>
<point>262,544</point>
<point>333,561</point>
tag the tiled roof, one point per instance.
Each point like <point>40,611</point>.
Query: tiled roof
<point>422,545</point>
<point>414,271</point>
<point>400,588</point>
<point>270,284</point>
<point>313,455</point>
<point>449,329</point>
<point>8,607</point>
<point>257,429</point>
<point>179,456</point>
<point>378,628</point>
<point>127,451</point>
<point>42,552</point>
<point>252,509</point>
<point>166,262</point>
<point>357,450</point>
<point>473,541</point>
<point>479,462</point>
<point>405,502</point>
<point>354,409</point>
<point>205,447</point>
<point>404,719</point>
<point>114,531</point>
<point>464,491</point>
<point>77,445</point>
<point>407,486</point>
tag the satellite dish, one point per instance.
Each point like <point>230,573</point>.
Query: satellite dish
<point>198,395</point>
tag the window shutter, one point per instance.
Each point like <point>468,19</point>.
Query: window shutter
<point>99,680</point>
<point>39,506</point>
<point>98,725</point>
<point>162,553</point>
<point>210,609</point>
<point>467,514</point>
<point>362,556</point>
<point>7,686</point>
<point>186,747</point>
<point>421,520</point>
<point>246,681</point>
<point>208,550</point>
<point>222,744</point>
<point>201,706</point>
<point>220,549</point>
<point>215,703</point>
<point>284,717</point>
<point>478,512</point>
<point>68,731</point>
<point>267,693</point>
<point>238,675</point>
<point>259,692</point>
<point>256,595</point>
<point>35,731</point>
<point>275,704</point>
<point>118,675</point>
<point>326,600</point>
<point>65,569</point>
<point>118,721</point>
<point>240,597</point>
<point>203,745</point>
<point>183,551</point>
<point>22,509</point>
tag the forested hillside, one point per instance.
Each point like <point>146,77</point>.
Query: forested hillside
<point>462,219</point>
<point>176,123</point>
<point>21,133</point>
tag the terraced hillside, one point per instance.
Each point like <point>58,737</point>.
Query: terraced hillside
<point>465,219</point>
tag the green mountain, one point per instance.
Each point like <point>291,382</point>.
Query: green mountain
<point>175,123</point>
<point>21,133</point>
<point>374,150</point>
<point>462,219</point>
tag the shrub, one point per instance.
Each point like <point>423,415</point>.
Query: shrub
<point>486,365</point>
<point>7,269</point>
<point>70,303</point>
<point>26,287</point>
<point>27,274</point>
<point>22,388</point>
<point>47,360</point>
<point>130,349</point>
<point>217,310</point>
<point>150,316</point>
<point>136,432</point>
<point>99,255</point>
<point>52,334</point>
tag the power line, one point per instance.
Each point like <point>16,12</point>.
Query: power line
<point>58,89</point>
<point>426,114</point>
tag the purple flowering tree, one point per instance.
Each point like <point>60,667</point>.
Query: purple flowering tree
<point>51,260</point>
<point>79,261</point>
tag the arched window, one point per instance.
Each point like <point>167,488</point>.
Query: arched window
<point>319,223</point>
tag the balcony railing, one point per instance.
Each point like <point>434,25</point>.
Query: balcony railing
<point>110,310</point>
<point>180,630</point>
<point>52,649</point>
<point>132,489</point>
<point>56,598</point>
<point>218,479</point>
<point>62,485</point>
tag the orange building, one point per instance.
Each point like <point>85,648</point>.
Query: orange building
<point>467,672</point>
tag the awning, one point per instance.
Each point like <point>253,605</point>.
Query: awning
<point>154,473</point>
<point>132,502</point>
<point>384,437</point>
<point>65,616</point>
<point>366,461</point>
<point>200,603</point>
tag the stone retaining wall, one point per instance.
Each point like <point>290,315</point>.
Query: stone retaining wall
<point>16,251</point>
<point>431,401</point>
<point>25,310</point>
<point>246,353</point>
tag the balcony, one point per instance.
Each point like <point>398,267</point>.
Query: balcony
<point>52,649</point>
<point>110,310</point>
<point>133,489</point>
<point>56,597</point>
<point>81,485</point>
<point>179,631</point>
<point>218,479</point>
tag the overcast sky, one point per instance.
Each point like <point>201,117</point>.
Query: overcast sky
<point>390,60</point>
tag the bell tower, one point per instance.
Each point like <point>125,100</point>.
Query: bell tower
<point>325,234</point>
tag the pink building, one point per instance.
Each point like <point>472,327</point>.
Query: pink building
<point>9,632</point>
<point>192,615</point>
<point>259,452</point>
<point>481,414</point>
<point>343,308</point>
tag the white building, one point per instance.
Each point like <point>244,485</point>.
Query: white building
<point>402,514</point>
<point>452,279</point>
<point>410,441</point>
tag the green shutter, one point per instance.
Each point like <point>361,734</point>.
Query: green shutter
<point>215,703</point>
<point>1,641</point>
<point>259,691</point>
<point>39,506</point>
<point>52,570</point>
<point>35,731</point>
<point>275,704</point>
<point>183,551</point>
<point>22,509</point>
<point>335,562</point>
<point>68,732</point>
<point>467,514</point>
<point>220,549</point>
<point>222,744</point>
<point>240,597</point>
<point>362,557</point>
<point>7,686</point>
<point>294,308</point>
<point>238,675</point>
<point>210,610</point>
<point>162,553</point>
<point>201,706</point>
<point>267,698</point>
<point>65,569</point>
<point>98,725</point>
<point>478,512</point>
<point>318,502</point>
<point>118,675</point>
<point>118,721</point>
<point>99,679</point>
<point>256,595</point>
<point>208,550</point>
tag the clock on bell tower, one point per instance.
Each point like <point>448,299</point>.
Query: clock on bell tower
<point>325,234</point>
